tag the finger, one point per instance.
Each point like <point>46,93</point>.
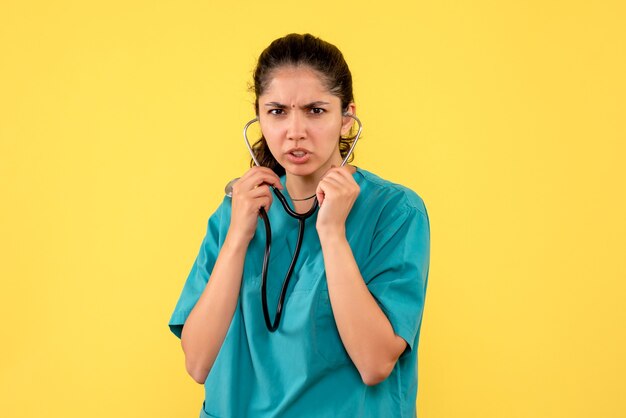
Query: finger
<point>256,171</point>
<point>264,177</point>
<point>342,172</point>
<point>319,192</point>
<point>262,190</point>
<point>258,178</point>
<point>264,202</point>
<point>344,177</point>
<point>337,186</point>
<point>334,181</point>
<point>250,200</point>
<point>262,197</point>
<point>327,187</point>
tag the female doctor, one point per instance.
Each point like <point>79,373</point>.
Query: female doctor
<point>346,345</point>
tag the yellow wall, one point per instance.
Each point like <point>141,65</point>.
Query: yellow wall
<point>120,125</point>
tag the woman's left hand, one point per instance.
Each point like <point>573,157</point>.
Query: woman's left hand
<point>336,193</point>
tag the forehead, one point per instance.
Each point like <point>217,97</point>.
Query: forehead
<point>296,83</point>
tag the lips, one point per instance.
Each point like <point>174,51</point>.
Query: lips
<point>298,155</point>
<point>298,152</point>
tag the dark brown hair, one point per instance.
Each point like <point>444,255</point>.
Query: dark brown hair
<point>302,50</point>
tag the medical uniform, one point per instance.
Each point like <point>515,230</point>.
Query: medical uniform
<point>302,369</point>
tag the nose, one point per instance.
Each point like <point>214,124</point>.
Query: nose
<point>296,128</point>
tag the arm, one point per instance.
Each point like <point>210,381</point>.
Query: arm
<point>207,324</point>
<point>365,331</point>
<point>363,327</point>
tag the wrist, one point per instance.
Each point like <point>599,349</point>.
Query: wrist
<point>235,242</point>
<point>330,235</point>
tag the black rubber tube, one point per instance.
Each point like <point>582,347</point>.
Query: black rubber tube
<point>273,325</point>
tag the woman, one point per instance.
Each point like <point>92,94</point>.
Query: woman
<point>347,342</point>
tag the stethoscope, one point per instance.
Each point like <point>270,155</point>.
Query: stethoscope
<point>301,217</point>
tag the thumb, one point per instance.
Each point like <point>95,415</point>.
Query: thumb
<point>320,195</point>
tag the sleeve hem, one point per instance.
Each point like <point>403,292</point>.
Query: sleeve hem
<point>406,334</point>
<point>177,321</point>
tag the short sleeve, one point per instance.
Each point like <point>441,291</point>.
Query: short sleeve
<point>199,274</point>
<point>396,272</point>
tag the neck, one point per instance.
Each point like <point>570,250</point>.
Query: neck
<point>301,187</point>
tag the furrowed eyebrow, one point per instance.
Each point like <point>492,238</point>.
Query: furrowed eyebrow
<point>276,104</point>
<point>306,106</point>
<point>315,104</point>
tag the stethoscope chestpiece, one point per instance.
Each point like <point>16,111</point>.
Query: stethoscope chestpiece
<point>229,187</point>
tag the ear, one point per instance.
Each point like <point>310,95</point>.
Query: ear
<point>347,121</point>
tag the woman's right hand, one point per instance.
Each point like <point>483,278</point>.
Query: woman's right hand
<point>250,193</point>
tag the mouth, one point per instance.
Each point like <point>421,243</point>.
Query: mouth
<point>298,156</point>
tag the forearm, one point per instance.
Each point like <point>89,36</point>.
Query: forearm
<point>363,327</point>
<point>205,328</point>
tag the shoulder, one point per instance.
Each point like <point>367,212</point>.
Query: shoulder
<point>219,220</point>
<point>389,196</point>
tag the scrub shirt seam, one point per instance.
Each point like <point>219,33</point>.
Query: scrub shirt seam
<point>398,188</point>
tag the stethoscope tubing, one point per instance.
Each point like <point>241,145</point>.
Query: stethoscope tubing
<point>273,326</point>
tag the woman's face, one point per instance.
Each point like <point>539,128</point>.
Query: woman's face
<point>302,121</point>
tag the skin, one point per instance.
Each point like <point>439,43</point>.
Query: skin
<point>297,110</point>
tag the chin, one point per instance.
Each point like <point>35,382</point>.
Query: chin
<point>303,170</point>
<point>300,171</point>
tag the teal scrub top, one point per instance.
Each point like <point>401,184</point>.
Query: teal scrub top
<point>303,369</point>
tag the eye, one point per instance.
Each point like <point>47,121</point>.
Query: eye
<point>276,112</point>
<point>317,110</point>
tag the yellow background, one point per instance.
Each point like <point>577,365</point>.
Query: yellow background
<point>120,125</point>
